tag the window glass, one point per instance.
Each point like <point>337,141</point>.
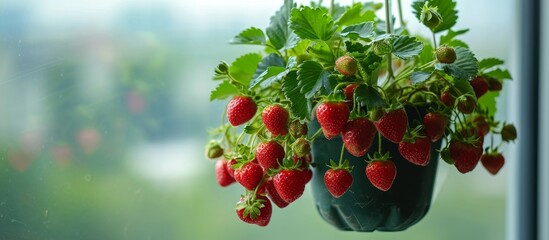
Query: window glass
<point>104,111</point>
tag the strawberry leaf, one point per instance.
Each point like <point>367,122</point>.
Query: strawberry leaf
<point>223,91</point>
<point>369,97</point>
<point>312,23</point>
<point>446,9</point>
<point>450,35</point>
<point>406,47</point>
<point>488,102</point>
<point>271,75</point>
<point>362,30</point>
<point>488,63</point>
<point>419,76</point>
<point>465,67</point>
<point>355,14</point>
<point>499,74</point>
<point>300,105</point>
<point>269,61</point>
<point>279,33</point>
<point>322,53</point>
<point>312,77</point>
<point>252,36</point>
<point>243,68</point>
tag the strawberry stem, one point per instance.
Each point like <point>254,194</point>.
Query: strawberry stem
<point>390,74</point>
<point>434,40</point>
<point>317,133</point>
<point>379,142</point>
<point>341,154</point>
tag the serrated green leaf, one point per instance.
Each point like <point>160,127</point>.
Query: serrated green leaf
<point>419,76</point>
<point>223,91</point>
<point>488,101</point>
<point>369,97</point>
<point>362,30</point>
<point>252,36</point>
<point>450,35</point>
<point>465,67</point>
<point>312,23</point>
<point>489,63</point>
<point>369,67</point>
<point>355,14</point>
<point>311,76</point>
<point>243,68</point>
<point>322,53</point>
<point>279,33</point>
<point>446,9</point>
<point>428,53</point>
<point>406,47</point>
<point>268,61</point>
<point>457,43</point>
<point>269,76</point>
<point>299,106</point>
<point>499,74</point>
<point>355,47</point>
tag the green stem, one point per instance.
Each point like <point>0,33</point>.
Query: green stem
<point>388,28</point>
<point>379,142</point>
<point>402,23</point>
<point>317,133</point>
<point>332,7</point>
<point>341,154</point>
<point>435,40</point>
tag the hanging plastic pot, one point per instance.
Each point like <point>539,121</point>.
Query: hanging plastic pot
<point>365,208</point>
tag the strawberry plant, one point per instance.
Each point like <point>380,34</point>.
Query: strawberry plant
<point>391,100</point>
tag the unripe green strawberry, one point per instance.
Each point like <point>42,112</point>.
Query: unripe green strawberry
<point>301,147</point>
<point>222,68</point>
<point>240,110</point>
<point>382,47</point>
<point>446,54</point>
<point>213,150</point>
<point>276,118</point>
<point>298,129</point>
<point>446,156</point>
<point>346,65</point>
<point>430,17</point>
<point>509,133</point>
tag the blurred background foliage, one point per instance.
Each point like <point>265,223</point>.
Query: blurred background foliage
<point>104,111</point>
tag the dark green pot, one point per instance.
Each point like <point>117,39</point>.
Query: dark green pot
<point>364,208</point>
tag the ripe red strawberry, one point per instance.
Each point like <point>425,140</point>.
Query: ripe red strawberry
<point>494,84</point>
<point>417,151</point>
<point>289,184</point>
<point>446,54</point>
<point>273,194</point>
<point>230,168</point>
<point>467,105</point>
<point>358,136</point>
<point>332,117</point>
<point>435,124</point>
<point>276,119</point>
<point>270,154</point>
<point>307,174</point>
<point>447,99</point>
<point>240,110</point>
<point>249,175</point>
<point>493,162</point>
<point>346,65</point>
<point>245,211</point>
<point>465,154</point>
<point>393,125</point>
<point>480,85</point>
<point>349,92</point>
<point>221,174</point>
<point>381,174</point>
<point>338,181</point>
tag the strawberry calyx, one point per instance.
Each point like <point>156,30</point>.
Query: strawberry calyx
<point>287,164</point>
<point>343,165</point>
<point>251,205</point>
<point>412,134</point>
<point>378,157</point>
